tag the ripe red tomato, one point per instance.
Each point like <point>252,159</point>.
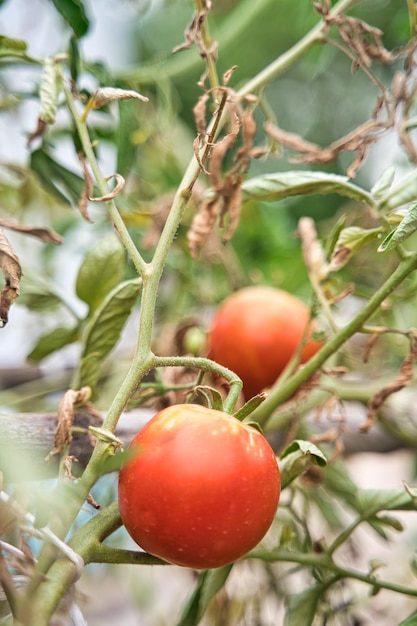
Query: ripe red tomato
<point>256,332</point>
<point>202,490</point>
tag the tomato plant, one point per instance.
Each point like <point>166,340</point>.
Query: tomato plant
<point>203,488</point>
<point>256,332</point>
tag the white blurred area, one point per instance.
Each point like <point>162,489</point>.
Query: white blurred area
<point>109,40</point>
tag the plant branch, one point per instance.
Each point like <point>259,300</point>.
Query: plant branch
<point>280,393</point>
<point>288,58</point>
<point>119,225</point>
<point>207,365</point>
<point>324,561</point>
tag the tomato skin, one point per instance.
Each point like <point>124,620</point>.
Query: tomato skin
<point>202,490</point>
<point>256,332</point>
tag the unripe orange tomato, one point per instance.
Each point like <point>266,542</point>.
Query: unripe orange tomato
<point>256,332</point>
<point>202,489</point>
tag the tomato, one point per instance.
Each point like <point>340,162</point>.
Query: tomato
<point>202,489</point>
<point>256,332</point>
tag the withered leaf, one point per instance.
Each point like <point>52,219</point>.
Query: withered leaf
<point>313,253</point>
<point>202,224</point>
<point>232,201</point>
<point>71,399</point>
<point>405,378</point>
<point>192,33</point>
<point>41,232</point>
<point>199,112</point>
<point>105,95</point>
<point>220,149</point>
<point>87,190</point>
<point>115,192</point>
<point>12,272</point>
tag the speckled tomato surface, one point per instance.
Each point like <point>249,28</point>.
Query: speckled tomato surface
<point>202,489</point>
<point>255,333</point>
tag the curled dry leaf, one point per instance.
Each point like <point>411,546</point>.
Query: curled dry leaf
<point>228,75</point>
<point>404,379</point>
<point>43,233</point>
<point>71,399</point>
<point>12,272</point>
<point>115,192</point>
<point>199,112</point>
<point>358,141</point>
<point>202,224</point>
<point>192,33</point>
<point>105,95</point>
<point>363,40</point>
<point>313,253</point>
<point>87,190</point>
<point>232,201</point>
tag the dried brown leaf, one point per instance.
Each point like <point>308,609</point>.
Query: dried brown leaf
<point>404,379</point>
<point>38,132</point>
<point>358,140</point>
<point>228,75</point>
<point>220,149</point>
<point>40,232</point>
<point>232,199</point>
<point>12,272</point>
<point>87,190</point>
<point>105,95</point>
<point>202,224</point>
<point>115,192</point>
<point>92,502</point>
<point>313,253</point>
<point>71,399</point>
<point>192,33</point>
<point>196,149</point>
<point>199,112</point>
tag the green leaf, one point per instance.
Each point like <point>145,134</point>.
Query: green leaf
<point>102,269</point>
<point>61,182</point>
<point>52,341</point>
<point>297,458</point>
<point>351,239</point>
<point>75,63</point>
<point>49,91</point>
<point>103,330</point>
<point>411,620</point>
<point>371,501</point>
<point>403,192</point>
<point>74,14</point>
<point>14,49</point>
<point>249,407</point>
<point>383,184</point>
<point>7,43</point>
<point>88,371</point>
<point>37,294</point>
<point>208,584</point>
<point>302,607</point>
<point>281,185</point>
<point>404,230</point>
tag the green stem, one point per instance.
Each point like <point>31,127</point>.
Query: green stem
<point>208,43</point>
<point>119,225</point>
<point>282,392</point>
<point>324,561</point>
<point>288,58</point>
<point>207,365</point>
